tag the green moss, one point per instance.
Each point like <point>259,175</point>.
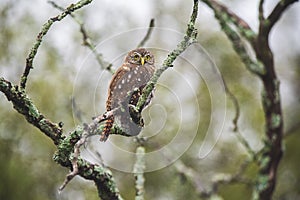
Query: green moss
<point>275,120</point>
<point>264,162</point>
<point>263,181</point>
<point>265,100</point>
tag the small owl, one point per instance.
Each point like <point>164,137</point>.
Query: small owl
<point>124,91</point>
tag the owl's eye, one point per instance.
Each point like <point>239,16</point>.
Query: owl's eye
<point>136,57</point>
<point>147,58</point>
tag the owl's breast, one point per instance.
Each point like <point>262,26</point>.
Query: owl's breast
<point>125,82</point>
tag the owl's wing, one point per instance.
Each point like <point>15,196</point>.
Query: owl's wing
<point>113,86</point>
<point>125,81</point>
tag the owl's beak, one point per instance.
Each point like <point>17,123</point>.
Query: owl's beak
<point>142,60</point>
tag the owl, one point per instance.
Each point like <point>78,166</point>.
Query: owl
<point>124,91</point>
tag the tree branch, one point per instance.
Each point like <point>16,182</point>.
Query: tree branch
<point>42,33</point>
<point>272,151</point>
<point>225,18</point>
<point>264,68</point>
<point>219,179</point>
<point>189,38</point>
<point>87,41</point>
<point>261,11</point>
<point>138,171</point>
<point>276,13</point>
<point>68,155</point>
<point>236,105</point>
<point>147,36</point>
<point>242,26</point>
<point>68,147</point>
<point>23,105</point>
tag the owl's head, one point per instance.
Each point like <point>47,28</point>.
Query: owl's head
<point>140,56</point>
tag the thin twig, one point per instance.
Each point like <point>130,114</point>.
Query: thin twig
<point>138,171</point>
<point>76,155</point>
<point>87,41</point>
<point>148,34</point>
<point>192,175</point>
<point>236,105</point>
<point>220,179</point>
<point>45,28</point>
<point>188,39</point>
<point>68,155</point>
<point>77,112</point>
<point>261,11</point>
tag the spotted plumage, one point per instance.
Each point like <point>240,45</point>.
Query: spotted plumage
<point>125,89</point>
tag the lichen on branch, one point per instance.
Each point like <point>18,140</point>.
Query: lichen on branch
<point>42,33</point>
<point>263,66</point>
<point>188,39</point>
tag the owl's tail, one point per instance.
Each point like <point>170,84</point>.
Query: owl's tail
<point>107,129</point>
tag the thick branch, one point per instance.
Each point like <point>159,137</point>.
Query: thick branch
<point>225,18</point>
<point>42,33</point>
<point>66,145</point>
<point>23,104</point>
<point>67,155</point>
<point>276,13</point>
<point>272,151</point>
<point>242,26</point>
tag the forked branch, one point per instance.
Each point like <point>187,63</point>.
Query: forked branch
<point>263,66</point>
